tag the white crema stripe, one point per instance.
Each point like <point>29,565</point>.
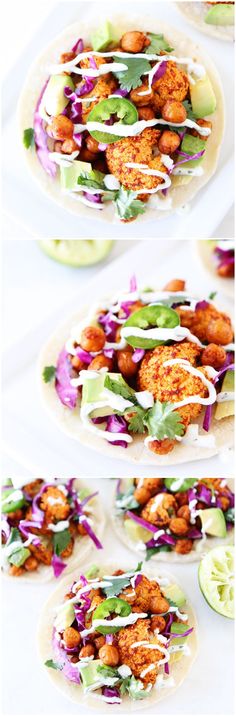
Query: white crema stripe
<point>197,374</point>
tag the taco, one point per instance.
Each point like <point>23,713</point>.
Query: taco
<point>213,18</point>
<point>143,371</point>
<point>114,637</point>
<point>48,527</point>
<point>161,94</point>
<point>174,519</point>
<point>218,259</point>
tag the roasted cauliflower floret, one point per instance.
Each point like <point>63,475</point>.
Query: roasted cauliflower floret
<point>160,509</point>
<point>208,324</point>
<point>138,150</point>
<point>139,658</point>
<point>145,591</point>
<point>103,87</point>
<point>54,503</point>
<point>173,84</point>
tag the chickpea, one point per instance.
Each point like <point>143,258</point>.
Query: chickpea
<point>92,338</point>
<point>142,495</point>
<point>224,502</point>
<point>158,605</point>
<point>162,447</point>
<point>15,571</point>
<point>183,546</point>
<point>74,659</point>
<point>101,362</point>
<point>202,123</point>
<point>109,655</point>
<point>181,498</point>
<point>69,146</point>
<point>158,623</point>
<point>86,155</point>
<point>87,650</point>
<point>139,99</point>
<point>81,529</point>
<point>77,363</point>
<point>219,332</point>
<point>118,572</point>
<point>176,284</point>
<point>62,127</point>
<point>184,512</point>
<point>92,145</point>
<point>146,113</point>
<point>213,355</point>
<point>226,270</point>
<point>125,363</point>
<point>134,41</point>
<point>174,111</point>
<point>57,146</point>
<point>168,142</point>
<point>67,57</point>
<point>30,564</point>
<point>179,526</point>
<point>99,642</point>
<point>71,637</point>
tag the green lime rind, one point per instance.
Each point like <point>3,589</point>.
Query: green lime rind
<point>216,580</point>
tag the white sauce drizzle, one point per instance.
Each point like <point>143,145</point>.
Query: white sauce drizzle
<point>163,334</point>
<point>198,374</point>
<point>59,527</point>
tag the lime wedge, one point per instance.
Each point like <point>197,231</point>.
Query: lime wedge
<point>216,580</point>
<point>76,252</point>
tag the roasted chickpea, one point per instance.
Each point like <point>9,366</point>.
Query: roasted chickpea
<point>169,142</point>
<point>224,502</point>
<point>202,123</point>
<point>74,659</point>
<point>146,113</point>
<point>174,111</point>
<point>213,355</point>
<point>57,146</point>
<point>78,364</point>
<point>176,284</point>
<point>139,99</point>
<point>86,155</point>
<point>219,332</point>
<point>162,447</point>
<point>181,498</point>
<point>81,529</point>
<point>158,623</point>
<point>62,127</point>
<point>71,637</point>
<point>92,145</point>
<point>99,642</point>
<point>226,270</point>
<point>184,512</point>
<point>109,655</point>
<point>92,339</point>
<point>158,605</point>
<point>125,363</point>
<point>69,146</point>
<point>142,495</point>
<point>68,550</point>
<point>30,564</point>
<point>67,57</point>
<point>183,546</point>
<point>15,571</point>
<point>101,362</point>
<point>87,650</point>
<point>179,526</point>
<point>134,41</point>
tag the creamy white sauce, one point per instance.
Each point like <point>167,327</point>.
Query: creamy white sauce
<point>117,621</point>
<point>179,614</point>
<point>191,171</point>
<point>193,438</point>
<point>156,502</point>
<point>148,669</point>
<point>132,130</point>
<point>145,399</point>
<point>161,334</point>
<point>124,671</point>
<point>224,396</point>
<point>59,527</point>
<point>159,533</point>
<point>198,374</point>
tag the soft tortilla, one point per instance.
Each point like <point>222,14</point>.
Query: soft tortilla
<point>179,669</point>
<point>195,12</point>
<point>198,548</point>
<point>82,547</point>
<point>69,420</point>
<point>38,75</point>
<point>204,251</point>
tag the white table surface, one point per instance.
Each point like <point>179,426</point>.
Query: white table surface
<point>23,200</point>
<point>27,690</point>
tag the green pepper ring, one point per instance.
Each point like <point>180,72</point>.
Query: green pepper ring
<point>155,315</point>
<point>113,604</point>
<point>102,112</point>
<point>13,505</point>
<point>186,485</point>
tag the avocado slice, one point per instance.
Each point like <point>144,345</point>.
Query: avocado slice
<point>136,532</point>
<point>54,99</point>
<point>203,98</point>
<point>93,392</point>
<point>71,173</point>
<point>222,14</point>
<point>192,145</point>
<point>225,409</point>
<point>177,628</point>
<point>91,680</point>
<point>175,594</point>
<point>213,521</point>
<point>102,37</point>
<point>65,617</point>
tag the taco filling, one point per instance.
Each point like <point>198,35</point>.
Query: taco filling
<point>41,524</point>
<point>154,363</point>
<point>121,121</point>
<point>173,514</point>
<point>119,634</point>
<point>224,258</point>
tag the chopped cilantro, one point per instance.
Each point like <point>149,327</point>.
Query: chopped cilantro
<point>212,295</point>
<point>154,550</point>
<point>136,67</point>
<point>188,107</point>
<point>61,541</point>
<point>53,665</point>
<point>158,44</point>
<point>120,389</point>
<point>119,583</point>
<point>28,138</point>
<point>162,422</point>
<point>93,179</point>
<point>127,204</point>
<point>107,671</point>
<point>49,373</point>
<point>229,515</point>
<point>136,424</point>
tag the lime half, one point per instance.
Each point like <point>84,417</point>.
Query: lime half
<point>76,252</point>
<point>216,580</point>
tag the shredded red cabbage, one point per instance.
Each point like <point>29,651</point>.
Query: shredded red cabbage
<point>108,352</point>
<point>90,532</point>
<point>201,305</point>
<point>5,528</point>
<point>160,72</point>
<point>66,393</point>
<point>69,670</point>
<point>94,198</point>
<point>187,157</point>
<point>111,694</point>
<point>117,424</point>
<point>209,409</point>
<point>78,47</point>
<point>121,92</point>
<point>41,139</point>
<point>25,526</point>
<point>58,565</point>
<point>138,355</point>
<point>194,534</point>
<point>133,284</point>
<point>84,356</point>
<point>159,541</point>
<point>109,638</point>
<point>141,521</point>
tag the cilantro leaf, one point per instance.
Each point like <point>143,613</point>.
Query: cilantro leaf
<point>28,138</point>
<point>162,422</point>
<point>107,671</point>
<point>126,501</point>
<point>131,78</point>
<point>158,44</point>
<point>212,295</point>
<point>53,665</point>
<point>119,583</point>
<point>230,515</point>
<point>127,204</point>
<point>155,550</point>
<point>49,373</point>
<point>136,424</point>
<point>93,179</point>
<point>119,388</point>
<point>188,107</point>
<point>61,541</point>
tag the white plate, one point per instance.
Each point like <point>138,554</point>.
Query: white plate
<point>30,436</point>
<point>36,214</point>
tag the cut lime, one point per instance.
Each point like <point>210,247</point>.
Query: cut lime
<point>216,580</point>
<point>76,252</point>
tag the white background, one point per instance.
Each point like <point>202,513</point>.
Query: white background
<point>27,691</point>
<point>24,205</point>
